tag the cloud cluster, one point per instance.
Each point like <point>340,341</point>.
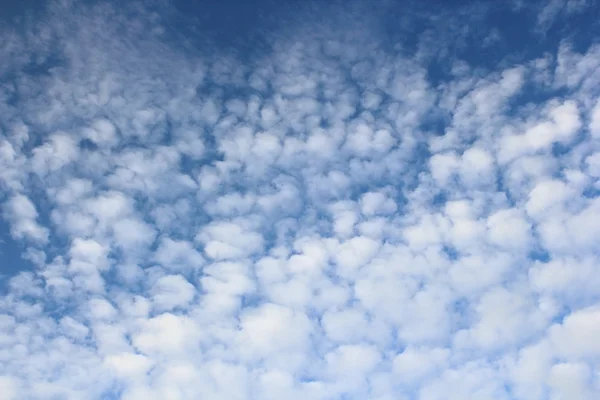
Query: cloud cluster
<point>334,217</point>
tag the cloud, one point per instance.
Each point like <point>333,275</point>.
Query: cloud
<point>371,202</point>
<point>551,11</point>
<point>172,291</point>
<point>415,364</point>
<point>22,214</point>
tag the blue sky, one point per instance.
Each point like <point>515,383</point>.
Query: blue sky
<point>324,200</point>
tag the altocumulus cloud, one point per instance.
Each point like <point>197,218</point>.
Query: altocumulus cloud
<point>353,201</point>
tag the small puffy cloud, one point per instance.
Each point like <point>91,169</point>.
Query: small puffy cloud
<point>166,334</point>
<point>509,230</point>
<point>415,364</point>
<point>102,132</point>
<point>345,216</point>
<point>548,196</point>
<point>574,338</point>
<point>593,164</point>
<point>23,216</point>
<point>568,380</point>
<point>373,203</point>
<point>109,207</point>
<point>73,328</point>
<point>355,253</point>
<point>229,240</point>
<point>563,125</point>
<point>172,291</point>
<point>466,229</point>
<point>134,306</point>
<point>178,255</point>
<point>223,286</point>
<point>559,124</point>
<point>60,150</point>
<point>428,231</point>
<point>503,318</point>
<point>89,251</point>
<point>74,190</point>
<point>352,361</point>
<point>443,166</point>
<point>131,234</point>
<point>129,366</point>
<point>346,326</point>
<point>477,167</point>
<point>101,309</point>
<point>272,328</point>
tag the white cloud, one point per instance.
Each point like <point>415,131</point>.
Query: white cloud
<point>509,230</point>
<point>355,253</point>
<point>271,329</point>
<point>129,365</point>
<point>574,338</point>
<point>9,387</point>
<point>352,361</point>
<point>570,381</point>
<point>564,123</point>
<point>554,9</point>
<point>342,216</point>
<point>377,203</point>
<point>443,166</point>
<point>74,329</point>
<point>350,325</point>
<point>60,150</point>
<point>178,255</point>
<point>415,364</point>
<point>547,197</point>
<point>102,132</point>
<point>108,207</point>
<point>595,121</point>
<point>131,233</point>
<point>101,309</point>
<point>223,286</point>
<point>229,240</point>
<point>172,291</point>
<point>477,166</point>
<point>166,335</point>
<point>503,318</point>
<point>89,251</point>
<point>22,215</point>
<point>571,279</point>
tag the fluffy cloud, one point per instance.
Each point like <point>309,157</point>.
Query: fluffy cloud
<point>393,204</point>
<point>23,217</point>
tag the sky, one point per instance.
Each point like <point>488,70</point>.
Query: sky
<point>344,200</point>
